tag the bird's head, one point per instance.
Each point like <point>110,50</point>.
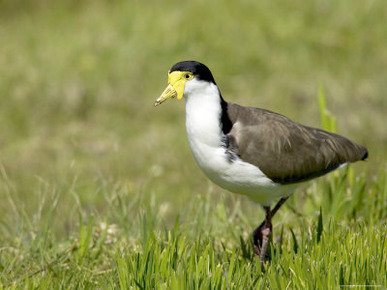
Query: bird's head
<point>182,73</point>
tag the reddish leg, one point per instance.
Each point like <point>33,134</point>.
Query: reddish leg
<point>261,235</point>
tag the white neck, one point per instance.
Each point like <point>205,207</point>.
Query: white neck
<point>203,112</point>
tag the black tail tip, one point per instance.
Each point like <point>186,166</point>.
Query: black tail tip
<point>365,156</point>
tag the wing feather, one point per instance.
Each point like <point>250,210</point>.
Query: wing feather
<point>287,152</point>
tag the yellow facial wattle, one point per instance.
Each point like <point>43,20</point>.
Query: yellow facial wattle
<point>176,84</point>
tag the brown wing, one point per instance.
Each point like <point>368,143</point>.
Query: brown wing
<point>287,152</point>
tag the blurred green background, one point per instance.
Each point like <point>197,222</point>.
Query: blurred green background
<point>78,80</point>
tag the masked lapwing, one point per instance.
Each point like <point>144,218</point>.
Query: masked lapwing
<point>250,151</point>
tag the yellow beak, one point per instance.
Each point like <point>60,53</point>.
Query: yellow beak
<point>175,88</point>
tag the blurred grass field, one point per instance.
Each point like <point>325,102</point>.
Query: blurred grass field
<point>84,155</point>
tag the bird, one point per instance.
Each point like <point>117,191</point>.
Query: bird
<point>252,151</point>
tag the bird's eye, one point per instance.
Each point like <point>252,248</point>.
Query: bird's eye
<point>187,76</point>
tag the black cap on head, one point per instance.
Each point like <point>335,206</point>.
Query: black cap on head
<point>198,69</point>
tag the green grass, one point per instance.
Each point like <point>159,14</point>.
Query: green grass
<point>99,189</point>
<point>209,245</point>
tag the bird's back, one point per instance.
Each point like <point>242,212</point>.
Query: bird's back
<point>286,151</point>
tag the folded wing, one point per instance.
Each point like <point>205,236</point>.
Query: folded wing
<point>287,152</point>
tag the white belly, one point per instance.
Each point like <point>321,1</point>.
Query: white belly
<point>237,176</point>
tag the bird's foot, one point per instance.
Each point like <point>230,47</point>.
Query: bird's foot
<point>261,235</point>
<point>261,238</point>
<point>257,240</point>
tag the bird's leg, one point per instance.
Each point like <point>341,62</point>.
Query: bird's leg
<point>265,236</point>
<point>259,231</point>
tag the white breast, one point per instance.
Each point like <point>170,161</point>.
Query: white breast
<point>203,111</point>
